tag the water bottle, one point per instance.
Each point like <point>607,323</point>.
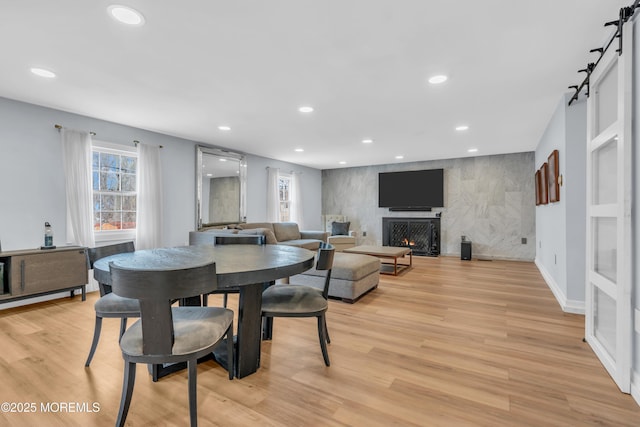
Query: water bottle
<point>48,235</point>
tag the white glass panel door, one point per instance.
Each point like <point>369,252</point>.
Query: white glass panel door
<point>608,294</point>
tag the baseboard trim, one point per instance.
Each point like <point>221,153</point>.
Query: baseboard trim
<point>635,386</point>
<point>567,305</point>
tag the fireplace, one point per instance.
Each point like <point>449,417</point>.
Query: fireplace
<point>422,235</point>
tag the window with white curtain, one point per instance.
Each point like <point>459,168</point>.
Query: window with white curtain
<point>284,196</point>
<point>114,169</point>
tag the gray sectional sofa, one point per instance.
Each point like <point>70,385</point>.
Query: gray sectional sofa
<point>276,233</point>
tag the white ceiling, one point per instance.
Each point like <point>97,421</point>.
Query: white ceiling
<point>362,64</point>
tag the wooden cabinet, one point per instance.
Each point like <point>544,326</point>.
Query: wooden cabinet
<point>29,273</point>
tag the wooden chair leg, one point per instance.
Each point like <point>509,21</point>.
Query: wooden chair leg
<point>323,340</point>
<point>231,356</point>
<point>193,398</point>
<point>123,327</point>
<point>96,337</point>
<point>225,297</point>
<point>326,331</point>
<point>205,300</point>
<point>127,391</point>
<point>267,327</point>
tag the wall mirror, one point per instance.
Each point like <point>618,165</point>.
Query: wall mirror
<point>221,182</point>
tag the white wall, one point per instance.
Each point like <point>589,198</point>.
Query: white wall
<point>33,181</point>
<point>31,161</point>
<point>574,165</point>
<point>560,226</point>
<point>311,181</point>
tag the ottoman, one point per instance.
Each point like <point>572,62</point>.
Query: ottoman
<point>352,276</point>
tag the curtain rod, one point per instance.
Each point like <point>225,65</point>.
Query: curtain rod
<point>135,141</point>
<point>60,127</point>
<point>624,15</point>
<point>291,171</point>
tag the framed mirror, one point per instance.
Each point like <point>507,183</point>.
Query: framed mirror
<point>221,182</point>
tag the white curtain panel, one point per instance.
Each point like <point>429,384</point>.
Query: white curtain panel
<point>296,199</point>
<point>76,156</point>
<point>273,198</point>
<point>149,213</point>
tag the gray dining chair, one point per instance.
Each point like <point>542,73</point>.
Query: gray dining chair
<point>166,334</point>
<point>301,301</point>
<point>110,305</point>
<point>232,239</point>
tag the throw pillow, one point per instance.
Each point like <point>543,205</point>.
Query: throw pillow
<point>340,228</point>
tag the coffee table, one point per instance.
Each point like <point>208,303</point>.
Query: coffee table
<point>385,252</point>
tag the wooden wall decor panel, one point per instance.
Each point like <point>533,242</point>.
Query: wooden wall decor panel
<point>553,176</point>
<point>544,186</point>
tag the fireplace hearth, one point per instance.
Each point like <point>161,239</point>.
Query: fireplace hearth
<point>422,235</point>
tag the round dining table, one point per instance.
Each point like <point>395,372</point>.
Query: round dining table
<point>245,266</point>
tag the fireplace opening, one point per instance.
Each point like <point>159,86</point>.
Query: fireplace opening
<point>422,235</point>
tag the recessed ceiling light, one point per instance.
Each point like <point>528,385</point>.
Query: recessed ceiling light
<point>399,157</point>
<point>223,160</point>
<point>43,73</point>
<point>367,141</point>
<point>305,109</point>
<point>209,174</point>
<point>462,127</point>
<point>126,15</point>
<point>436,80</point>
<point>342,162</point>
<point>299,150</point>
<point>472,150</point>
<point>224,128</point>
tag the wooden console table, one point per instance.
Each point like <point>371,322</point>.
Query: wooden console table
<point>34,272</point>
<point>385,252</point>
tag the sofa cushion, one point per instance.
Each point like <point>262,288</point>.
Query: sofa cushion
<point>266,232</point>
<point>286,231</point>
<point>340,228</point>
<point>252,225</point>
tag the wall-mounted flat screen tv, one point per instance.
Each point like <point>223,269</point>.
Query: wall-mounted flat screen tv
<point>411,189</point>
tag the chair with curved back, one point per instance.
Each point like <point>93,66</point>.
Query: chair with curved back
<point>301,301</point>
<point>166,334</point>
<point>110,305</point>
<point>233,239</point>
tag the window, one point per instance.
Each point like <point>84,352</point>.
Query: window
<point>284,194</point>
<point>114,191</point>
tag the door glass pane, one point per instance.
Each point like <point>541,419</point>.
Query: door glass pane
<point>607,99</point>
<point>604,320</point>
<point>604,247</point>
<point>605,173</point>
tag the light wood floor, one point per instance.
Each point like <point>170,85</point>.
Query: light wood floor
<point>449,343</point>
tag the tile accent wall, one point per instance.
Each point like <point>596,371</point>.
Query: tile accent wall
<point>489,199</point>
